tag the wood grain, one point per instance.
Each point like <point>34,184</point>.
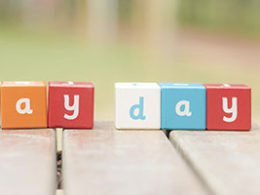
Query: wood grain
<point>27,162</point>
<point>108,161</point>
<point>228,162</point>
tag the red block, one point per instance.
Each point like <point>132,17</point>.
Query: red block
<point>228,107</point>
<point>71,105</point>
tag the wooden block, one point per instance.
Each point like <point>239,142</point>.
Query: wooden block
<point>228,107</point>
<point>137,106</point>
<point>228,162</point>
<point>108,161</point>
<point>23,105</point>
<point>183,106</point>
<point>27,162</point>
<point>71,105</point>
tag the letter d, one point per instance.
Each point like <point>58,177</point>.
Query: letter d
<point>137,111</point>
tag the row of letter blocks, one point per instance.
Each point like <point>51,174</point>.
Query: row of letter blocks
<point>24,105</point>
<point>183,106</point>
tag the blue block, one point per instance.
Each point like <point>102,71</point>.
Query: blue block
<point>183,106</point>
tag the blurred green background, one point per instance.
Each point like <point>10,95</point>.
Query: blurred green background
<point>107,41</point>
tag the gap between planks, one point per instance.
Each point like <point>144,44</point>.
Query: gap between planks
<point>189,163</point>
<point>59,147</point>
<point>59,135</point>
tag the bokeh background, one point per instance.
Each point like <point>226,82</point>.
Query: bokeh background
<point>106,41</point>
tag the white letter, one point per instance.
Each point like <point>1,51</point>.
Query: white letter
<point>74,108</point>
<point>26,109</point>
<point>186,111</point>
<point>232,110</point>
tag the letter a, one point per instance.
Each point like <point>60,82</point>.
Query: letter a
<point>232,110</point>
<point>137,111</point>
<point>186,111</point>
<point>74,107</point>
<point>27,108</point>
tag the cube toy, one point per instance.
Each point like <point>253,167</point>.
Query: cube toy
<point>71,105</point>
<point>23,105</point>
<point>228,107</point>
<point>137,105</point>
<point>183,106</point>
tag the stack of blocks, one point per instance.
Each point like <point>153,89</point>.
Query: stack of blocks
<point>182,106</point>
<point>24,105</point>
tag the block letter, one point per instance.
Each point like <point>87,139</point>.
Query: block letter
<point>71,105</point>
<point>137,106</point>
<point>228,107</point>
<point>20,111</point>
<point>74,107</point>
<point>232,110</point>
<point>27,108</point>
<point>137,110</point>
<point>186,111</point>
<point>183,106</point>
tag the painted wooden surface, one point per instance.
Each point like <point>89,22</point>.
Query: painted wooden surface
<point>108,161</point>
<point>27,162</point>
<point>228,162</point>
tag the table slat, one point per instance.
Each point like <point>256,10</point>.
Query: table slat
<point>228,162</point>
<point>108,161</point>
<point>27,162</point>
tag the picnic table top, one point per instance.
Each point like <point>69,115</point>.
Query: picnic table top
<point>109,161</point>
<point>27,162</point>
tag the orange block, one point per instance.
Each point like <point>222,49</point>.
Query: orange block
<point>23,105</point>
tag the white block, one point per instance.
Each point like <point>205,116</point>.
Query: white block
<point>137,106</point>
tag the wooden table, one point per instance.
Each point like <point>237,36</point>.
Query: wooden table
<point>109,161</point>
<point>27,162</point>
